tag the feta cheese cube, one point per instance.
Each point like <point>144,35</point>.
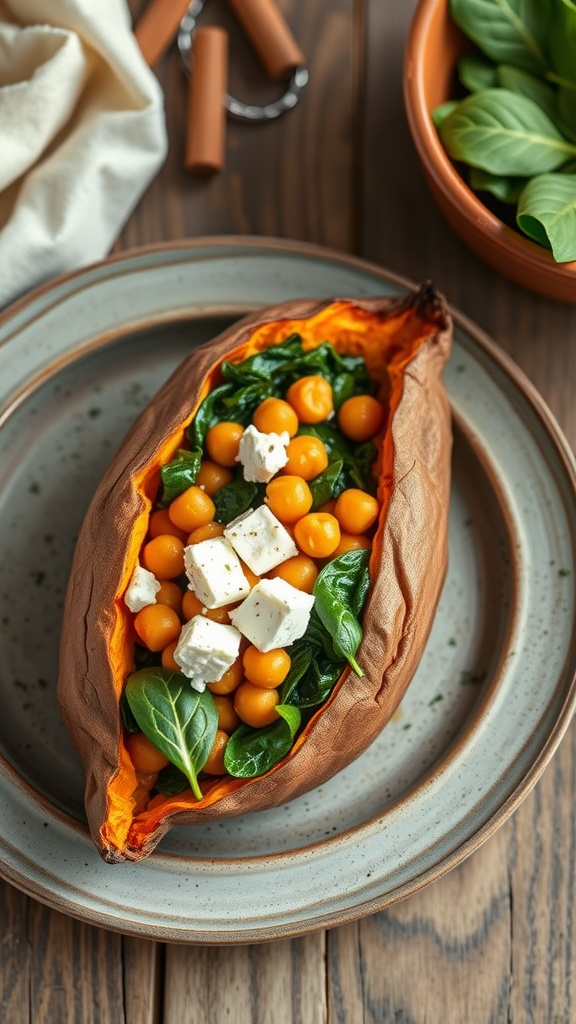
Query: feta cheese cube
<point>262,455</point>
<point>260,539</point>
<point>215,573</point>
<point>141,590</point>
<point>274,614</point>
<point>205,650</point>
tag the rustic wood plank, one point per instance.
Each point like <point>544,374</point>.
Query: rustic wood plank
<point>542,857</point>
<point>16,955</point>
<point>143,980</point>
<point>55,970</point>
<point>77,976</point>
<point>272,983</point>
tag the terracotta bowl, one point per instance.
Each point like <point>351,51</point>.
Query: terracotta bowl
<point>434,45</point>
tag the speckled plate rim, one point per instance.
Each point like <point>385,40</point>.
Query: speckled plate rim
<point>47,297</point>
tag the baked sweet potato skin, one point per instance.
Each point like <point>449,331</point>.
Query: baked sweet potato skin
<point>406,342</point>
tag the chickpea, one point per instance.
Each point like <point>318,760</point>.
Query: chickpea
<point>164,556</point>
<point>288,497</point>
<point>144,755</point>
<point>255,705</point>
<point>360,417</point>
<point>311,398</point>
<point>317,534</point>
<point>157,625</point>
<point>191,509</point>
<point>223,442</point>
<point>300,571</point>
<point>356,510</point>
<point>274,415</point>
<point>307,457</point>
<point>266,668</point>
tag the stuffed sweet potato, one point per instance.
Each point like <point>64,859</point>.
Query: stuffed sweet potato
<point>357,585</point>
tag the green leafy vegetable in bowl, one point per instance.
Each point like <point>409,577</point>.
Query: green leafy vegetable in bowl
<point>516,128</point>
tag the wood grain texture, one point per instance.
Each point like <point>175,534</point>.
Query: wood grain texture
<point>78,974</point>
<point>143,980</point>
<point>273,983</point>
<point>54,970</point>
<point>16,955</point>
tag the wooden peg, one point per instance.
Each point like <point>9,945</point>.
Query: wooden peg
<point>270,35</point>
<point>206,121</point>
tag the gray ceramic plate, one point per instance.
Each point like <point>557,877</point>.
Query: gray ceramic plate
<point>487,708</point>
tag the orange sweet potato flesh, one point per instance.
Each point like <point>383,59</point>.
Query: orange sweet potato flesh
<point>406,342</point>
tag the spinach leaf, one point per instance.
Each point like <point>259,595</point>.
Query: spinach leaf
<point>476,72</point>
<point>504,133</point>
<point>171,781</point>
<point>335,443</point>
<point>211,410</point>
<point>561,43</point>
<point>312,680</point>
<point>567,113</point>
<point>562,49</point>
<point>241,404</point>
<point>360,471</point>
<point>179,474</point>
<point>316,686</point>
<point>507,31</point>
<point>359,589</point>
<point>340,591</point>
<point>506,190</point>
<point>328,484</point>
<point>316,633</point>
<point>440,113</point>
<point>235,498</point>
<point>351,379</point>
<point>302,653</point>
<point>521,82</point>
<point>547,213</point>
<point>251,752</point>
<point>265,363</point>
<point>178,720</point>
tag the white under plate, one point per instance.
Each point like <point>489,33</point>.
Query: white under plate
<point>490,701</point>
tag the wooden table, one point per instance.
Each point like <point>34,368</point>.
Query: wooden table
<point>494,940</point>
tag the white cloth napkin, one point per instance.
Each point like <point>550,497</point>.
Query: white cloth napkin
<point>82,133</point>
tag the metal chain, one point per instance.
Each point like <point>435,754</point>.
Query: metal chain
<point>236,108</point>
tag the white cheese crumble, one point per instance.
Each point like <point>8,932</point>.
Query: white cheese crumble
<point>205,650</point>
<point>214,571</point>
<point>262,455</point>
<point>260,539</point>
<point>274,614</point>
<point>141,590</point>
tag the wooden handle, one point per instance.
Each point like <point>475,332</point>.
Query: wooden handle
<point>270,36</point>
<point>206,118</point>
<point>158,26</point>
